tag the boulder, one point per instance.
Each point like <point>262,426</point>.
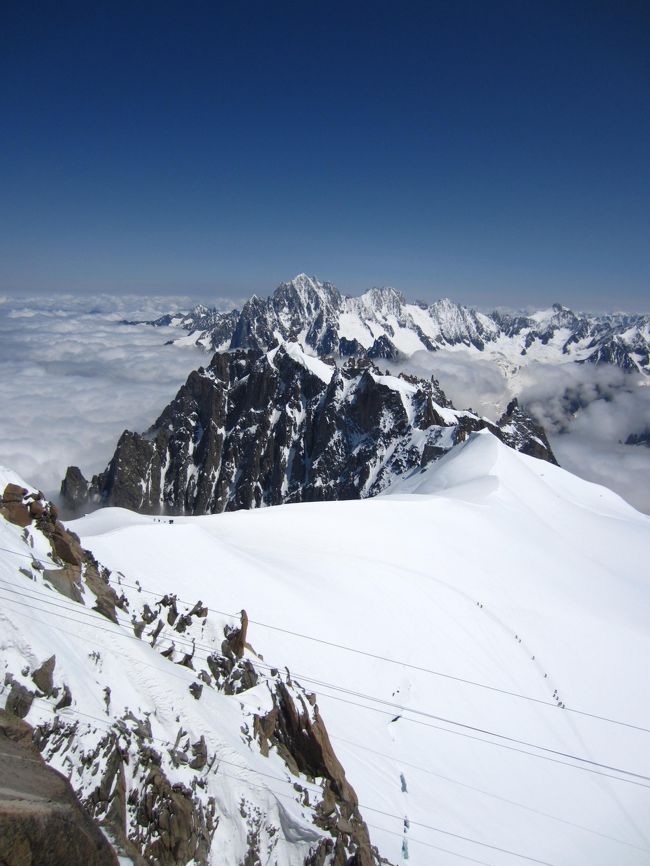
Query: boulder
<point>43,676</point>
<point>12,506</point>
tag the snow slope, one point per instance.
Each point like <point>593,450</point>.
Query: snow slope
<point>122,713</point>
<point>490,567</point>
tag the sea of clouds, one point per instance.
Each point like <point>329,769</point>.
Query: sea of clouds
<point>73,377</point>
<point>587,411</point>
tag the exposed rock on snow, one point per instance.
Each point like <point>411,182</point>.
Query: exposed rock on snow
<point>258,428</point>
<point>299,735</point>
<point>41,821</point>
<point>161,767</point>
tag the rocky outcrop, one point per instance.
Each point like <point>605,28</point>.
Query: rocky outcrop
<point>19,699</point>
<point>17,505</point>
<point>74,489</point>
<point>259,428</point>
<point>41,820</point>
<point>74,570</point>
<point>523,433</point>
<point>159,799</point>
<point>43,676</point>
<point>156,798</point>
<point>126,778</point>
<point>296,730</point>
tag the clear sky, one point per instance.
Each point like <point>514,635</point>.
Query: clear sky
<point>495,152</point>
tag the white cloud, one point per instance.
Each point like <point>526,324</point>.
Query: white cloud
<point>588,411</point>
<point>467,378</point>
<point>72,378</point>
<point>623,468</point>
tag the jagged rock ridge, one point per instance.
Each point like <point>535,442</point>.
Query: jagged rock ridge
<point>257,428</point>
<point>382,323</point>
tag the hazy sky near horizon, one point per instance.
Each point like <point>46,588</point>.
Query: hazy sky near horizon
<point>493,152</point>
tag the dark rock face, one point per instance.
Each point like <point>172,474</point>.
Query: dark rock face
<point>43,676</point>
<point>41,820</point>
<point>383,348</point>
<point>20,699</point>
<point>74,488</point>
<point>639,438</point>
<point>259,429</point>
<point>173,830</point>
<point>523,433</point>
<point>297,732</point>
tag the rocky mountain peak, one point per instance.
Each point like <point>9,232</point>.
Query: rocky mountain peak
<point>385,325</point>
<point>564,317</point>
<point>261,428</point>
<point>385,300</point>
<point>457,324</point>
<point>306,295</point>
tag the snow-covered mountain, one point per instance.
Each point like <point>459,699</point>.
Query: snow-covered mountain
<point>382,323</point>
<point>260,428</point>
<point>476,637</point>
<point>179,740</point>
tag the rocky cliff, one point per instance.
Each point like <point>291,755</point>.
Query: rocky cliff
<point>260,428</point>
<point>41,820</point>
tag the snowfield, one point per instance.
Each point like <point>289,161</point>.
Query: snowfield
<point>478,640</point>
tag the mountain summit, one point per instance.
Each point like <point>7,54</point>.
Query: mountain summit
<point>382,323</point>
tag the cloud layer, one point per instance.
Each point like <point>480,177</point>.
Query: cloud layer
<point>72,378</point>
<point>588,411</point>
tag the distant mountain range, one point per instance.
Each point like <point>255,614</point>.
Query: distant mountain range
<point>382,324</point>
<point>294,406</point>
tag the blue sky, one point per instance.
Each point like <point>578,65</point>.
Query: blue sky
<point>495,152</point>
